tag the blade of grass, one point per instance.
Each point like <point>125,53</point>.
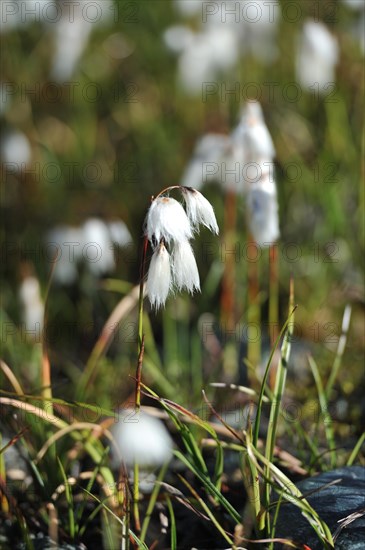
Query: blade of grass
<point>173,539</point>
<point>152,501</point>
<point>355,451</point>
<point>141,544</point>
<point>340,351</point>
<point>209,486</point>
<point>208,511</point>
<point>327,420</point>
<point>280,380</point>
<point>263,384</point>
<point>69,500</point>
<point>274,292</point>
<point>253,310</point>
<point>291,494</point>
<point>11,377</point>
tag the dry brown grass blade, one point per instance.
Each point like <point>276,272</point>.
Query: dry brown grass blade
<point>233,432</point>
<point>11,377</point>
<point>14,439</point>
<point>41,413</point>
<point>52,525</point>
<point>344,522</point>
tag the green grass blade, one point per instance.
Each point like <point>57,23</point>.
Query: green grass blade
<point>152,501</point>
<point>173,539</point>
<point>340,351</point>
<point>355,451</point>
<point>327,420</point>
<point>210,487</point>
<point>69,500</point>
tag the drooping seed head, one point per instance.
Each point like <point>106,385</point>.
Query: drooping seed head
<point>167,219</point>
<point>159,277</point>
<point>184,269</point>
<point>199,209</point>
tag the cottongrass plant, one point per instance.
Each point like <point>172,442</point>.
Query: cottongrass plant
<point>169,229</point>
<point>250,148</point>
<point>170,226</point>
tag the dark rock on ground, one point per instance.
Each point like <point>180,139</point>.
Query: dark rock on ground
<point>332,504</point>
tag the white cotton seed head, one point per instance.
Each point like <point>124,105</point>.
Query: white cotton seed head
<point>199,209</point>
<point>184,268</point>
<point>209,151</point>
<point>142,439</point>
<point>253,135</point>
<point>33,307</point>
<point>167,219</point>
<point>262,208</point>
<point>159,277</point>
<point>68,243</point>
<point>317,56</point>
<point>119,233</point>
<point>98,247</point>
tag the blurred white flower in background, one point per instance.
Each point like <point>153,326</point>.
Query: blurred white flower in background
<point>226,31</point>
<point>355,4</point>
<point>189,7</point>
<point>178,38</point>
<point>119,233</point>
<point>263,211</point>
<point>229,159</point>
<point>70,21</point>
<point>141,438</point>
<point>15,149</point>
<point>259,37</point>
<point>207,55</point>
<point>98,249</point>
<point>208,151</point>
<point>72,32</point>
<point>242,163</point>
<point>66,241</point>
<point>93,243</point>
<point>32,306</point>
<point>16,14</point>
<point>11,17</point>
<point>251,138</point>
<point>317,56</point>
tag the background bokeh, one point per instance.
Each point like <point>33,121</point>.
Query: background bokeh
<point>101,107</point>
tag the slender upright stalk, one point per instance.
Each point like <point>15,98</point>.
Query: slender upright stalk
<point>228,301</point>
<point>340,350</point>
<point>280,380</point>
<point>273,301</point>
<point>138,380</point>
<point>253,312</point>
<point>273,293</point>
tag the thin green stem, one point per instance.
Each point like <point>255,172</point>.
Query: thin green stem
<point>327,420</point>
<point>138,381</point>
<point>340,351</point>
<point>152,502</point>
<point>274,293</point>
<point>278,394</point>
<point>254,311</point>
<point>263,385</point>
